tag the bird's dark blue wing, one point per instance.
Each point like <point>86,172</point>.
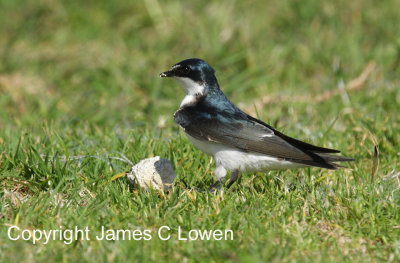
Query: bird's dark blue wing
<point>238,130</point>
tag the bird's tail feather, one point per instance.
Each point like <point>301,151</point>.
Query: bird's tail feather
<point>335,158</point>
<point>331,159</point>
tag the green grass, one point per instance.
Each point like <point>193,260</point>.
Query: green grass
<point>79,87</point>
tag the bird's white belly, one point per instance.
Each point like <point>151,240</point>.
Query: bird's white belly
<point>234,159</point>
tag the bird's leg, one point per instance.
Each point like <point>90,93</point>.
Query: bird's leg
<point>220,173</point>
<point>234,176</point>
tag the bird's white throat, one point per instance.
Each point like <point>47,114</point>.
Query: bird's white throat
<point>193,90</point>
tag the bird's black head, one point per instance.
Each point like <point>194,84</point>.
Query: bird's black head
<point>194,69</point>
<point>197,78</point>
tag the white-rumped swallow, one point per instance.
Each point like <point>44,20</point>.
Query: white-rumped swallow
<point>237,141</point>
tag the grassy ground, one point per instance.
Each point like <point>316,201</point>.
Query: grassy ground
<point>79,86</point>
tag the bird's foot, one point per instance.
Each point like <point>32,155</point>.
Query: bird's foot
<point>217,186</point>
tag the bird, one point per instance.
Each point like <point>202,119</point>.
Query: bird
<point>237,141</point>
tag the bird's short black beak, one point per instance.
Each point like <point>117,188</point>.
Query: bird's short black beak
<point>166,74</point>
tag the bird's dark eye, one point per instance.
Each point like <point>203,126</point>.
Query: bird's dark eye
<point>186,69</point>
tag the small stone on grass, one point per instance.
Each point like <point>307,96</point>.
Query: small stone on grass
<point>154,172</point>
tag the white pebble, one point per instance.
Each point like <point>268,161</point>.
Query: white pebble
<point>153,172</point>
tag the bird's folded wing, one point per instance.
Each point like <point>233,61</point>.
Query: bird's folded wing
<point>246,135</point>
